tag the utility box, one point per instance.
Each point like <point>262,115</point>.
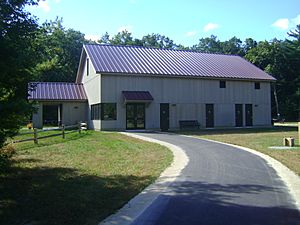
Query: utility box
<point>289,142</point>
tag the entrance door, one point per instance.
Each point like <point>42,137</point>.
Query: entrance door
<point>209,115</point>
<point>135,116</point>
<point>249,115</point>
<point>164,116</point>
<point>238,115</point>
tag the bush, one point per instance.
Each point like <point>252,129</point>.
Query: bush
<point>6,152</point>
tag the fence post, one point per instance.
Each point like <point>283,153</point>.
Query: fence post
<point>79,127</point>
<point>35,136</point>
<point>63,131</point>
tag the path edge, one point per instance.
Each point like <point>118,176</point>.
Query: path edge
<point>138,204</point>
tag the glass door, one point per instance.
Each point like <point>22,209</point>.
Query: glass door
<point>135,116</point>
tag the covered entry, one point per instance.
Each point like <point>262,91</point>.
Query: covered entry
<point>136,102</point>
<point>52,114</point>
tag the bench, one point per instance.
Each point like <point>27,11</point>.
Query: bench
<point>189,124</point>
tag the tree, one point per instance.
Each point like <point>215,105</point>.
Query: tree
<point>233,46</point>
<point>209,45</point>
<point>158,41</point>
<point>150,40</point>
<point>17,30</point>
<point>59,52</point>
<point>278,59</point>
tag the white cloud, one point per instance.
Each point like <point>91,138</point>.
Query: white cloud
<point>282,24</point>
<point>191,33</point>
<point>126,27</point>
<point>210,26</point>
<point>44,5</point>
<point>92,37</point>
<point>57,1</point>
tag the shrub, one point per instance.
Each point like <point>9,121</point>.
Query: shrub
<point>6,152</point>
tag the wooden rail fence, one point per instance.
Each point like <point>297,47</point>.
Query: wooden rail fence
<point>63,131</point>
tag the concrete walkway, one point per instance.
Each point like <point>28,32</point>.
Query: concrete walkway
<point>220,185</point>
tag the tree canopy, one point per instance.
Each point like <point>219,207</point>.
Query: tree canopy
<point>17,30</point>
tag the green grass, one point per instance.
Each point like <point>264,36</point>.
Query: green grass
<point>260,140</point>
<point>78,180</point>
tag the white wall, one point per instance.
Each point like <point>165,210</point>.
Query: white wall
<point>92,84</point>
<point>187,98</point>
<point>72,113</point>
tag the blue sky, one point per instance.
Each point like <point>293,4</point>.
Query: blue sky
<point>184,21</point>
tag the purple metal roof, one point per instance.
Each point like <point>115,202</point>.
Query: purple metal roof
<point>153,61</point>
<point>56,91</point>
<point>137,96</point>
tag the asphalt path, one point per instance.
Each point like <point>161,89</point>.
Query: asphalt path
<point>221,185</point>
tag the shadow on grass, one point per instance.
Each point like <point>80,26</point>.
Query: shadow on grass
<point>63,195</point>
<point>237,131</point>
<point>192,202</point>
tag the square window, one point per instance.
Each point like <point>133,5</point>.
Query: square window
<point>95,112</point>
<point>108,111</point>
<point>222,84</point>
<point>257,85</point>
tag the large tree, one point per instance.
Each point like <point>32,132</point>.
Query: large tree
<point>17,30</point>
<point>59,51</point>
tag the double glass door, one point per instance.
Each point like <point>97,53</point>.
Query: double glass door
<point>135,116</point>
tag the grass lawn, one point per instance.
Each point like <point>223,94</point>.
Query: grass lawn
<point>260,140</point>
<point>78,180</point>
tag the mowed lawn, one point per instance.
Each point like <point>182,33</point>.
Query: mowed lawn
<point>78,180</point>
<point>260,140</point>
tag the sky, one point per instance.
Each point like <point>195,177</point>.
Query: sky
<point>184,21</point>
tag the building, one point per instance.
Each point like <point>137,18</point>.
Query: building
<point>126,87</point>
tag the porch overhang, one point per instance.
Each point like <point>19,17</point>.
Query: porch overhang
<point>137,96</point>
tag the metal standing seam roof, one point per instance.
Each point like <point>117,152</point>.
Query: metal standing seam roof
<point>56,91</point>
<point>137,96</point>
<point>154,61</point>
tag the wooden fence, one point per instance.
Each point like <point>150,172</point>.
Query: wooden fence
<point>63,131</point>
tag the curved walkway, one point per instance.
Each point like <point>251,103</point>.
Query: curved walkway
<point>220,185</point>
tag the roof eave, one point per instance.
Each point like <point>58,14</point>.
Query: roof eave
<point>187,76</point>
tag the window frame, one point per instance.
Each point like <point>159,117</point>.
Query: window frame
<point>257,85</point>
<point>87,66</point>
<point>222,84</point>
<point>103,113</point>
<point>95,111</point>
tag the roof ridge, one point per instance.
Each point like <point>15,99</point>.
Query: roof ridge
<point>163,49</point>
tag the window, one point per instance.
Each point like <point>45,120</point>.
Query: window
<point>222,84</point>
<point>87,66</point>
<point>257,85</point>
<point>108,111</point>
<point>95,112</point>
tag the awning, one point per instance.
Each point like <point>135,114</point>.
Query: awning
<point>137,96</point>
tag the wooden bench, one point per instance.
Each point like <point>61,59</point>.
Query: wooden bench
<point>189,124</point>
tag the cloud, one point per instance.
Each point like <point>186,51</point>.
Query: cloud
<point>282,24</point>
<point>132,1</point>
<point>44,5</point>
<point>126,27</point>
<point>210,26</point>
<point>191,33</point>
<point>92,37</point>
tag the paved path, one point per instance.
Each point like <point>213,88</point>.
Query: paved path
<point>221,185</point>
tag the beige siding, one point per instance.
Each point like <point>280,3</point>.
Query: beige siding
<point>92,84</point>
<point>72,113</point>
<point>187,98</point>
